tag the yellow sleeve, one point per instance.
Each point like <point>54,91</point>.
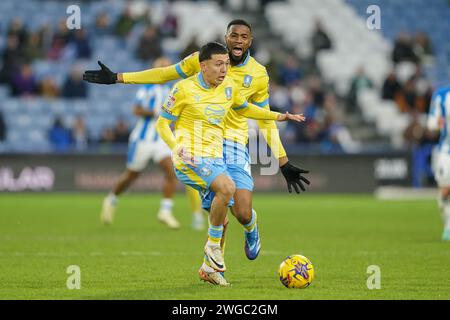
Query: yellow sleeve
<point>268,128</point>
<point>170,111</point>
<point>163,129</point>
<point>249,110</point>
<point>252,111</point>
<point>184,69</point>
<point>155,75</point>
<point>271,134</point>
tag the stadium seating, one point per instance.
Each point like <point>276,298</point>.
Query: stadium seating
<point>29,119</point>
<point>356,45</point>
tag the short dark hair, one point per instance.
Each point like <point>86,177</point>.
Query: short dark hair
<point>239,22</point>
<point>211,48</point>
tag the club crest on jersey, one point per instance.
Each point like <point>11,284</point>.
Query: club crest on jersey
<point>228,93</point>
<point>247,81</point>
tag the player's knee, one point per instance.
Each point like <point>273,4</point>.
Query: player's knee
<point>227,189</point>
<point>242,212</point>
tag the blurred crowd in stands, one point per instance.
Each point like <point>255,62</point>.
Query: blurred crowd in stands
<point>296,85</point>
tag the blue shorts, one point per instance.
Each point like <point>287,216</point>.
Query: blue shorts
<point>202,176</point>
<point>237,160</point>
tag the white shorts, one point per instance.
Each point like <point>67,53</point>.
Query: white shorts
<point>140,152</point>
<point>442,169</point>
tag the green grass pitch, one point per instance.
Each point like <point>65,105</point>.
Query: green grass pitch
<point>138,258</point>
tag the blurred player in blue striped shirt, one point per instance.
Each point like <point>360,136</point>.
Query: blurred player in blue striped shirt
<point>439,121</point>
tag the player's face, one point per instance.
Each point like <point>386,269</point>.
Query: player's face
<point>238,40</point>
<point>215,69</point>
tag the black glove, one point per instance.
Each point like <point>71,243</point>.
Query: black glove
<point>293,176</point>
<point>104,75</point>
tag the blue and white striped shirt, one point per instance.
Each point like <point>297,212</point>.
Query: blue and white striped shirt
<point>150,97</point>
<point>439,117</point>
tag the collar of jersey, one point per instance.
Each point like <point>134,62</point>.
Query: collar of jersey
<point>243,63</point>
<point>202,82</point>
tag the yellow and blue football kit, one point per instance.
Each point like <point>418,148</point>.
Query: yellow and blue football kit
<point>252,81</point>
<point>199,113</point>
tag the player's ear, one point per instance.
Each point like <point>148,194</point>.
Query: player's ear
<point>202,66</point>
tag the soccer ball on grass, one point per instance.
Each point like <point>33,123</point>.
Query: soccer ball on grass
<point>296,271</point>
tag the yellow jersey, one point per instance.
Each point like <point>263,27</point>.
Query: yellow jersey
<point>252,81</point>
<point>200,113</point>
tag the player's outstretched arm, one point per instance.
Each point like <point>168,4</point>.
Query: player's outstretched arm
<point>186,68</point>
<point>252,111</point>
<point>164,131</point>
<point>154,75</point>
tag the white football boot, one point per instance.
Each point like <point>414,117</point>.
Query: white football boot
<point>215,257</point>
<point>167,218</point>
<point>108,211</point>
<point>208,274</point>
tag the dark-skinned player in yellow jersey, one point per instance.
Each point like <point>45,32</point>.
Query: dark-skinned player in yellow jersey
<point>253,81</point>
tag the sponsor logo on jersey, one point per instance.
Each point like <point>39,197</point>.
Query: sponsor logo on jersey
<point>214,113</point>
<point>170,102</point>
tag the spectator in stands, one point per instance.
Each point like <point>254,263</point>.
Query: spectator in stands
<point>102,24</point>
<point>422,47</point>
<point>316,88</point>
<point>415,131</point>
<point>290,71</point>
<point>359,82</point>
<point>60,39</point>
<point>121,131</point>
<point>408,98</point>
<point>149,47</point>
<point>46,35</point>
<point>279,98</point>
<point>2,127</point>
<point>74,86</point>
<point>11,59</point>
<point>80,134</point>
<point>107,137</point>
<point>17,29</point>
<point>403,49</point>
<point>191,47</point>
<point>391,87</point>
<point>48,88</point>
<point>81,43</point>
<point>33,47</point>
<point>124,24</point>
<point>169,26</point>
<point>24,82</point>
<point>59,136</point>
<point>319,40</point>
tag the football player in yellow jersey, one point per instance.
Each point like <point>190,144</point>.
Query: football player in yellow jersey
<point>252,79</point>
<point>199,106</point>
